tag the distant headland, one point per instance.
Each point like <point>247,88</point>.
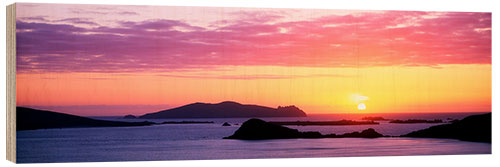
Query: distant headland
<point>31,119</point>
<point>227,109</point>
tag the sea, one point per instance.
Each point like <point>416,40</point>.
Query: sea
<point>204,141</point>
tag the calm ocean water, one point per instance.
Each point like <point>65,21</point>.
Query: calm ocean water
<point>204,141</point>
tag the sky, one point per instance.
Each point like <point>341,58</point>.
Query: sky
<point>99,60</point>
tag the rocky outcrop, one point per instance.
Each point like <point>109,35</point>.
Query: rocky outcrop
<point>475,128</point>
<point>256,129</point>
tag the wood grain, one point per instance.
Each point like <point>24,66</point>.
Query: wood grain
<point>11,83</point>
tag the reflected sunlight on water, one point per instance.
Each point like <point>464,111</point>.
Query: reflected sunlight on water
<point>204,141</point>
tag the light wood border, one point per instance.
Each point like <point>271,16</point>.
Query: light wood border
<point>11,82</point>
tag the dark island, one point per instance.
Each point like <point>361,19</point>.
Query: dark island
<point>31,119</point>
<point>375,119</point>
<point>226,109</point>
<point>256,129</point>
<point>326,123</point>
<point>475,128</point>
<point>416,121</point>
<point>187,122</point>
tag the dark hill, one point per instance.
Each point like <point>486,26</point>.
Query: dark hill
<point>256,129</point>
<point>472,128</point>
<point>225,110</point>
<point>30,119</point>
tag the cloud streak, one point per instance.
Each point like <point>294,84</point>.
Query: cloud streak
<point>390,38</point>
<point>253,76</point>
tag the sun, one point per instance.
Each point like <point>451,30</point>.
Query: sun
<point>361,106</point>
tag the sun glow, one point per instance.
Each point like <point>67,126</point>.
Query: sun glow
<point>361,106</point>
<point>357,98</point>
<point>408,89</point>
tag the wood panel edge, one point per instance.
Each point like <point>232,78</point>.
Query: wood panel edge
<point>11,82</point>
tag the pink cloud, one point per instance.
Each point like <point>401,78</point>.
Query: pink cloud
<point>356,40</point>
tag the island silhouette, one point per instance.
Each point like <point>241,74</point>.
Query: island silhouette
<point>226,109</point>
<point>475,128</point>
<point>256,129</point>
<point>31,119</point>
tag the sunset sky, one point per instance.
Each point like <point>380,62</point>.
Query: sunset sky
<point>97,60</point>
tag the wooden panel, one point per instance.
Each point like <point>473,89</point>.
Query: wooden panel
<point>11,83</point>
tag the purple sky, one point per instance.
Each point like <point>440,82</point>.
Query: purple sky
<point>86,38</point>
